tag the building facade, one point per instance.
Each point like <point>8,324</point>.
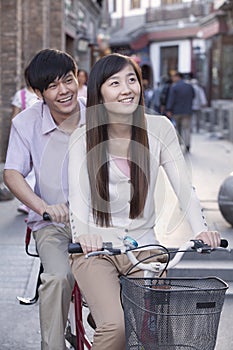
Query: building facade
<point>27,26</point>
<point>194,37</point>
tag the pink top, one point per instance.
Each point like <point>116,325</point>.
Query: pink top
<point>122,164</point>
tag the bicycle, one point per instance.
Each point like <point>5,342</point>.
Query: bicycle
<point>75,332</point>
<point>167,313</point>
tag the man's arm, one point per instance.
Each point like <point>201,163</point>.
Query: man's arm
<point>20,188</point>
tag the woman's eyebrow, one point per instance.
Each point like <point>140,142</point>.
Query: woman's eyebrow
<point>117,76</point>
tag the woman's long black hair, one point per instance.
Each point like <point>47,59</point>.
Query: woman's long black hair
<point>97,145</point>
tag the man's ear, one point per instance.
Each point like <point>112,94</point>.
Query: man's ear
<point>39,94</point>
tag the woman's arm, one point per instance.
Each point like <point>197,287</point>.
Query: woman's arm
<point>79,188</point>
<point>176,169</point>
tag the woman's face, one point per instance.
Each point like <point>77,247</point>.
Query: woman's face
<point>82,78</point>
<point>121,92</point>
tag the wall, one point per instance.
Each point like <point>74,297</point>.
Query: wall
<point>26,26</point>
<point>184,56</point>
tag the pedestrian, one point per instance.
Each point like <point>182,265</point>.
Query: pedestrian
<point>82,83</point>
<point>113,169</point>
<point>41,135</point>
<point>23,99</point>
<point>155,100</point>
<point>199,102</point>
<point>165,88</point>
<point>179,107</point>
<point>148,92</point>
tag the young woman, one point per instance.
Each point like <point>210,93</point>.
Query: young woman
<point>82,83</point>
<point>113,168</point>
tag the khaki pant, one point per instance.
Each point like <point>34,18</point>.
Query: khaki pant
<point>57,285</point>
<point>184,127</point>
<point>98,280</point>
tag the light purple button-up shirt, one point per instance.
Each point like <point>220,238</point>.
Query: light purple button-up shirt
<point>36,140</point>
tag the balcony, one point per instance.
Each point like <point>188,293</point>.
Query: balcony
<point>190,10</point>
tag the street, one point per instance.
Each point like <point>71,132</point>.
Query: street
<point>210,162</point>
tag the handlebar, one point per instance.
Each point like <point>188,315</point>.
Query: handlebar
<point>152,267</point>
<point>198,245</point>
<point>46,217</point>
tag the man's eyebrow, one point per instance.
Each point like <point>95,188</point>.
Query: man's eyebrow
<point>67,75</point>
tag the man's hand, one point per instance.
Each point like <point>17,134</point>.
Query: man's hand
<point>58,213</point>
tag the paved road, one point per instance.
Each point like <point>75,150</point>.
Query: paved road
<point>210,161</point>
<point>19,325</point>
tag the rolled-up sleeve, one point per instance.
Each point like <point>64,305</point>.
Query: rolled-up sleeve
<point>18,153</point>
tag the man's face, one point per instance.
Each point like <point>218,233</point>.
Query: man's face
<point>61,97</point>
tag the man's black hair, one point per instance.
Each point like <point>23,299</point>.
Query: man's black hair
<point>47,66</point>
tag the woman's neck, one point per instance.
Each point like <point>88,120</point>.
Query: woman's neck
<point>119,136</point>
<point>119,131</point>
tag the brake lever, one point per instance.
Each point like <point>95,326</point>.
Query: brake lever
<point>201,247</point>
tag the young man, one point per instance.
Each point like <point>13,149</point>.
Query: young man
<point>39,138</point>
<point>179,107</point>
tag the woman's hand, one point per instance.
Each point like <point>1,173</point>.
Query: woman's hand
<point>90,243</point>
<point>212,238</point>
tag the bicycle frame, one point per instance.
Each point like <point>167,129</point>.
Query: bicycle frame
<point>82,341</point>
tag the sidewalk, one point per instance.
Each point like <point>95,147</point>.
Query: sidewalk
<point>210,162</point>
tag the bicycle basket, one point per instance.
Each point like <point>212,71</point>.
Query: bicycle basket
<point>172,313</point>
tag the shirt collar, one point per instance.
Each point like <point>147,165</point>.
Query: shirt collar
<point>48,123</point>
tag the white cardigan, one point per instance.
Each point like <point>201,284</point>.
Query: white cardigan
<point>165,151</point>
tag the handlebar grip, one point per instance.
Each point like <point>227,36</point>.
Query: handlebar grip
<point>74,248</point>
<point>198,244</point>
<point>46,217</point>
<point>224,243</point>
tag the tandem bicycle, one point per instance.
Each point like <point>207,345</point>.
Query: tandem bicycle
<point>168,313</point>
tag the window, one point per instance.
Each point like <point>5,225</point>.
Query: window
<point>168,59</point>
<point>171,2</point>
<point>135,4</point>
<point>114,6</point>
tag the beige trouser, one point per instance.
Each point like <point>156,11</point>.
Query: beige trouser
<point>57,285</point>
<point>98,280</point>
<point>184,127</point>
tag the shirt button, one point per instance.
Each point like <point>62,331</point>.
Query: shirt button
<point>126,230</point>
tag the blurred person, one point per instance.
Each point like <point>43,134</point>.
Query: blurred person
<point>165,88</point>
<point>199,102</point>
<point>82,83</point>
<point>23,99</point>
<point>148,92</point>
<point>155,99</point>
<point>41,135</point>
<point>179,107</point>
